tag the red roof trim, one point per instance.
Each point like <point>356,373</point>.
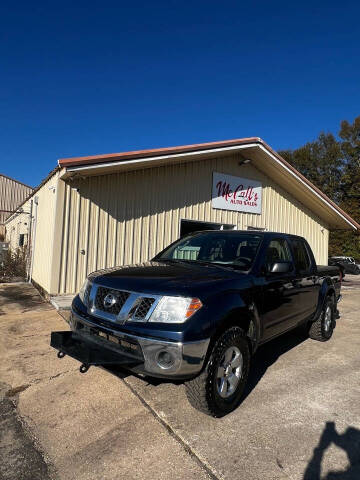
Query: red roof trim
<point>114,157</point>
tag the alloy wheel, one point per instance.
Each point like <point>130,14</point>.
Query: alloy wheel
<point>229,372</point>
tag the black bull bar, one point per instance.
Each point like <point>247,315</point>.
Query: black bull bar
<point>88,352</point>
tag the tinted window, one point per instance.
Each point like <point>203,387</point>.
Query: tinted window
<point>277,251</point>
<point>301,256</point>
<point>225,248</point>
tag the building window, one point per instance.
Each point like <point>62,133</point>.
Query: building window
<point>21,239</point>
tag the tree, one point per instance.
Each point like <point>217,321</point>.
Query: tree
<point>334,167</point>
<point>350,188</point>
<point>321,162</point>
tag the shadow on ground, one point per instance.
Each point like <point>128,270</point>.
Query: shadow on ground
<point>348,441</point>
<point>266,356</point>
<point>20,298</point>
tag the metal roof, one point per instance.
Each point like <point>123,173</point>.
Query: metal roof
<point>100,163</point>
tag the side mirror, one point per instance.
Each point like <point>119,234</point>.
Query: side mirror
<point>281,267</point>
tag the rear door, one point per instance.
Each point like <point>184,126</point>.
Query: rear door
<point>279,292</point>
<point>306,278</point>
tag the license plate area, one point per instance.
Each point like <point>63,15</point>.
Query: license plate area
<point>122,344</point>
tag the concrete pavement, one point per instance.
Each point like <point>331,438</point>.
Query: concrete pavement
<point>300,418</point>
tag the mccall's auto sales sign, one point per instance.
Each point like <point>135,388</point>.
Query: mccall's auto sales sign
<point>236,193</point>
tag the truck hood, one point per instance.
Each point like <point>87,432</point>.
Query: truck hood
<point>161,277</point>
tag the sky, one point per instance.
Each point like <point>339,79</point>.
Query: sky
<point>86,78</point>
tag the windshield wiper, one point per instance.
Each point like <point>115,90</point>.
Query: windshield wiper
<point>206,263</point>
<point>219,264</point>
<point>175,260</point>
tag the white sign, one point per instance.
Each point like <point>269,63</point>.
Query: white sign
<point>236,193</point>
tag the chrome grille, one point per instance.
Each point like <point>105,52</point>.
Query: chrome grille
<point>143,307</point>
<point>120,296</point>
<point>87,293</point>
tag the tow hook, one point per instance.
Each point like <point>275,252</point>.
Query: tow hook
<point>61,354</point>
<point>84,368</point>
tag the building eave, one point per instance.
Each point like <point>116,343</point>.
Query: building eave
<point>103,164</point>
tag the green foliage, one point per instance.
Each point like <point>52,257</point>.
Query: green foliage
<point>14,264</point>
<point>334,167</point>
<point>320,161</point>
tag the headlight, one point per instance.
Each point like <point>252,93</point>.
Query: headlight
<point>84,292</point>
<point>175,309</point>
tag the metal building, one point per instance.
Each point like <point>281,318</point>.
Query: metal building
<point>12,194</point>
<point>101,211</point>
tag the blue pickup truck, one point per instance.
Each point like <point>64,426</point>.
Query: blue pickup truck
<point>200,309</point>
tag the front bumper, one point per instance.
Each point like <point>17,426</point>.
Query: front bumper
<point>184,359</point>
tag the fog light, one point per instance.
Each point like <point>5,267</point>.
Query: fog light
<point>165,359</point>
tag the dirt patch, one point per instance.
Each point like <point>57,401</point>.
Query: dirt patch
<point>14,391</point>
<point>12,279</point>
<point>20,298</point>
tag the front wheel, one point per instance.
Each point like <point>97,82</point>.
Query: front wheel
<point>322,329</point>
<point>218,389</point>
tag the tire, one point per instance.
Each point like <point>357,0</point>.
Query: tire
<point>342,272</point>
<point>217,390</point>
<point>322,329</point>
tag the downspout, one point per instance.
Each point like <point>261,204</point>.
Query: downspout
<point>29,245</point>
<point>36,201</point>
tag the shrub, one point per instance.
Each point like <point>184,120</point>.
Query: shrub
<point>14,264</point>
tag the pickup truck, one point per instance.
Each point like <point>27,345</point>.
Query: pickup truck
<point>200,309</point>
<point>345,264</point>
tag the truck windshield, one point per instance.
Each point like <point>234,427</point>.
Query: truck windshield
<point>226,248</point>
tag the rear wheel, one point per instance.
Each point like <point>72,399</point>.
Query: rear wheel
<point>322,329</point>
<point>218,389</point>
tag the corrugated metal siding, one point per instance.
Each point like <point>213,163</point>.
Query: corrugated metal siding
<point>128,217</point>
<point>12,194</point>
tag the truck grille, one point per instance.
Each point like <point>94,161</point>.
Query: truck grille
<point>120,306</point>
<point>143,308</point>
<point>119,296</point>
<point>87,293</point>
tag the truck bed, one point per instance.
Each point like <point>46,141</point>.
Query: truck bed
<point>327,270</point>
<point>334,273</point>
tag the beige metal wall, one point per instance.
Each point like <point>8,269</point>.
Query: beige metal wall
<point>42,230</point>
<point>18,224</point>
<point>12,194</point>
<point>43,237</point>
<point>128,217</point>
